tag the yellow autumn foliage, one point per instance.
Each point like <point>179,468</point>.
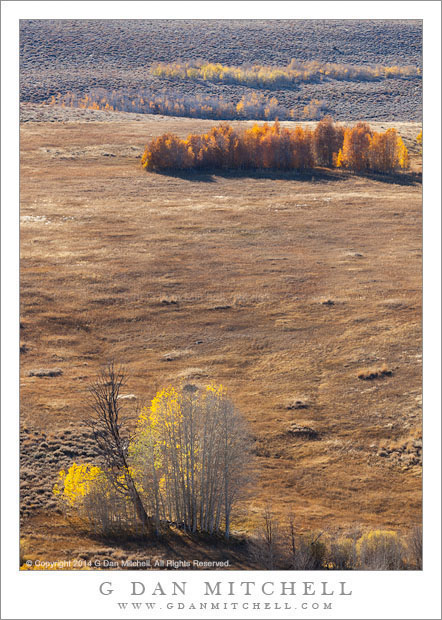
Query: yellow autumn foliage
<point>419,140</point>
<point>75,484</point>
<point>380,549</point>
<point>189,455</point>
<point>364,149</point>
<point>279,76</point>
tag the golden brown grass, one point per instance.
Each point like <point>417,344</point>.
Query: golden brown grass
<point>234,271</point>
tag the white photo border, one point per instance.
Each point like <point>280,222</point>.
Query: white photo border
<point>59,594</point>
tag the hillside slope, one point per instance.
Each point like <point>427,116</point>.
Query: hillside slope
<point>78,55</point>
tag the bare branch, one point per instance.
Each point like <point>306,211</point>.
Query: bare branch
<point>110,432</point>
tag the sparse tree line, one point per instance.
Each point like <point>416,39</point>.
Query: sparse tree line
<point>356,148</point>
<point>278,546</point>
<point>185,465</point>
<point>251,106</point>
<point>296,72</point>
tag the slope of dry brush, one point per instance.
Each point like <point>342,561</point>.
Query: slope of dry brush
<point>58,56</point>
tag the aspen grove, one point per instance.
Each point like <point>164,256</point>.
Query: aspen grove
<point>191,455</point>
<point>187,464</point>
<point>280,148</point>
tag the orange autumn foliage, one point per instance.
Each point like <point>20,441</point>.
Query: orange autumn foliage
<point>262,146</point>
<point>356,146</point>
<point>279,148</point>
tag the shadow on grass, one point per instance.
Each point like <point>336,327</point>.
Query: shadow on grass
<point>175,544</point>
<point>314,175</point>
<point>395,178</point>
<point>167,537</point>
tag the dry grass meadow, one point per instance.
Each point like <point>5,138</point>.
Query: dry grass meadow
<point>291,290</point>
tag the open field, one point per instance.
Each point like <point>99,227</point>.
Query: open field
<point>292,290</point>
<point>57,56</point>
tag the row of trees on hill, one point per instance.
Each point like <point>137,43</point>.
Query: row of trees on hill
<point>260,76</point>
<point>250,106</point>
<point>273,147</point>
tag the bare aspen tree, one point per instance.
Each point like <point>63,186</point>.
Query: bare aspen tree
<point>309,553</point>
<point>415,545</point>
<point>267,550</point>
<point>110,433</point>
<point>291,537</point>
<point>233,453</point>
